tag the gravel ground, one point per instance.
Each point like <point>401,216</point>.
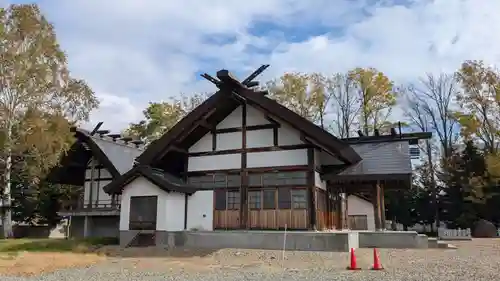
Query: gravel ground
<point>473,260</point>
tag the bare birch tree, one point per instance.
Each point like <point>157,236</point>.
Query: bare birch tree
<point>345,104</point>
<point>430,109</point>
<point>37,95</point>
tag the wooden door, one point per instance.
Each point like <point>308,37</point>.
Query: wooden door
<point>226,209</point>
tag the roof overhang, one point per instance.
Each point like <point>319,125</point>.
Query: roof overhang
<point>117,186</point>
<point>231,90</point>
<point>75,161</point>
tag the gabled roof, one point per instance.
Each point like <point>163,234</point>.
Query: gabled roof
<point>222,103</point>
<point>162,180</point>
<point>116,157</point>
<point>381,161</point>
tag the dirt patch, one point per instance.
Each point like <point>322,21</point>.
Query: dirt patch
<point>29,264</point>
<point>197,260</point>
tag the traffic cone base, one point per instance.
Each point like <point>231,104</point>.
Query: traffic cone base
<point>376,261</point>
<point>353,265</point>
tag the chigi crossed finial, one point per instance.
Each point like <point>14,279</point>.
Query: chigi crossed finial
<point>225,80</point>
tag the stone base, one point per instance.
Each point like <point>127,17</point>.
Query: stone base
<point>393,239</point>
<point>265,240</point>
<point>336,241</point>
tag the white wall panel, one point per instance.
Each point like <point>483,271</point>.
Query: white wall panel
<point>200,210</point>
<point>143,187</point>
<point>358,206</point>
<point>288,136</point>
<point>174,211</point>
<point>255,117</point>
<point>214,162</point>
<point>277,158</point>
<point>228,141</point>
<point>260,138</point>
<point>318,182</point>
<point>233,120</point>
<point>203,145</point>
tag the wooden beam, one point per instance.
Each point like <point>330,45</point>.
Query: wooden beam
<point>272,120</point>
<point>248,128</point>
<point>186,197</point>
<point>203,123</point>
<point>96,128</point>
<point>311,189</point>
<point>257,170</point>
<point>214,141</point>
<point>382,206</point>
<point>244,223</point>
<point>250,150</point>
<point>376,206</point>
<point>177,149</point>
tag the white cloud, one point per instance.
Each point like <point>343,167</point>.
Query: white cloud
<point>139,51</point>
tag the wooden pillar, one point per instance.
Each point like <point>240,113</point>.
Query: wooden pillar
<point>311,188</point>
<point>91,183</point>
<point>382,206</point>
<point>376,206</point>
<point>340,210</point>
<point>329,211</point>
<point>244,173</point>
<point>345,214</point>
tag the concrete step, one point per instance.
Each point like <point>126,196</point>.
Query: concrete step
<point>433,242</point>
<point>444,245</point>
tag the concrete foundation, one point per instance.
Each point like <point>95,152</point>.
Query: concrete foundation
<point>393,239</point>
<point>340,241</point>
<point>265,240</point>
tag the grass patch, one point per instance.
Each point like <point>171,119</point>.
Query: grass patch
<point>54,245</point>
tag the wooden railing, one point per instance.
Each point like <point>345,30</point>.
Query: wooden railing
<point>80,205</point>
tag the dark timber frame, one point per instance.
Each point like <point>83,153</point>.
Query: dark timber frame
<point>170,152</point>
<point>71,169</point>
<point>232,93</point>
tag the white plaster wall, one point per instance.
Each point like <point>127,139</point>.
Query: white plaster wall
<point>98,193</point>
<point>318,182</point>
<point>143,187</point>
<point>214,162</point>
<point>260,138</point>
<point>103,196</point>
<point>232,120</point>
<point>174,211</point>
<point>200,210</point>
<point>255,117</point>
<point>277,158</point>
<point>204,144</point>
<point>228,141</point>
<point>288,136</point>
<point>327,159</point>
<point>358,206</point>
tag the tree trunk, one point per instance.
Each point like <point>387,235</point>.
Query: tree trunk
<point>6,199</point>
<point>434,185</point>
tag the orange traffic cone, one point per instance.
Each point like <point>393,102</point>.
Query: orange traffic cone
<point>376,261</point>
<point>353,265</point>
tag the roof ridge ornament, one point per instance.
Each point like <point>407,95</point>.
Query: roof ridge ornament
<point>227,81</point>
<point>117,138</point>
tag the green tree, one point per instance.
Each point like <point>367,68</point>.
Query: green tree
<point>305,94</point>
<point>37,96</point>
<point>377,97</point>
<point>464,199</point>
<point>159,117</point>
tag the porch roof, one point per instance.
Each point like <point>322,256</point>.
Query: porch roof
<point>382,161</point>
<point>162,180</point>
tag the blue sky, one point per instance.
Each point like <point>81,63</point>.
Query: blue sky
<point>135,51</point>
